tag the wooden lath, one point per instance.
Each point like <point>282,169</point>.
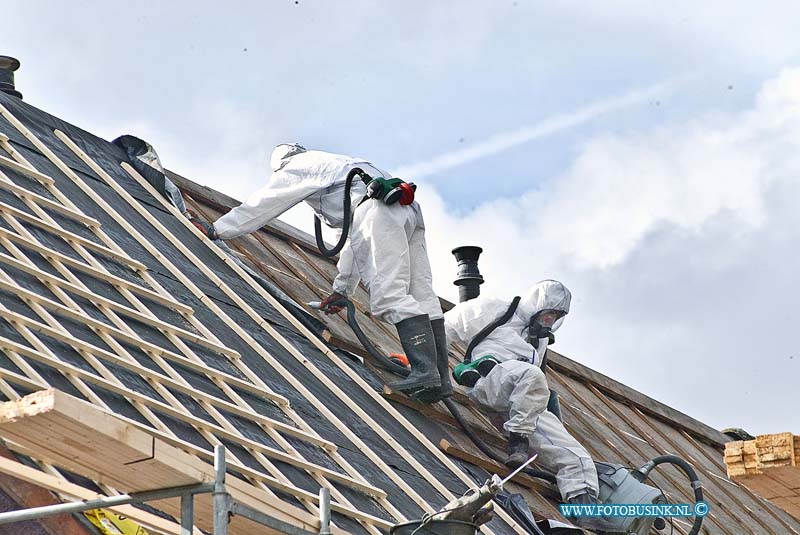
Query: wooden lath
<point>118,282</point>
<point>120,257</point>
<point>44,202</point>
<point>321,346</point>
<point>358,482</point>
<point>155,377</point>
<point>24,169</point>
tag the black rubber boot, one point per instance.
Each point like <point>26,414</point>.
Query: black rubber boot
<point>517,450</point>
<point>416,337</point>
<point>445,390</point>
<point>594,523</point>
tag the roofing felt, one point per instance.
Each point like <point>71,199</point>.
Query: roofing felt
<point>108,294</point>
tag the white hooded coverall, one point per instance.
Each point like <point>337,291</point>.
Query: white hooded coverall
<point>386,245</point>
<point>516,389</point>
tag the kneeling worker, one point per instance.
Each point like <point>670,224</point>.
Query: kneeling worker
<point>509,344</point>
<point>385,249</point>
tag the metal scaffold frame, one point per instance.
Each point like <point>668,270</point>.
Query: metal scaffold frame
<point>224,505</point>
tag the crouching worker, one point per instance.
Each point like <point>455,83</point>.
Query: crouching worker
<point>507,342</point>
<point>385,248</point>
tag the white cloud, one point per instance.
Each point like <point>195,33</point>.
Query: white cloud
<point>674,241</point>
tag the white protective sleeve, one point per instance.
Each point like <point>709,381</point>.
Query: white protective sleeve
<point>263,206</point>
<point>347,279</point>
<point>305,176</point>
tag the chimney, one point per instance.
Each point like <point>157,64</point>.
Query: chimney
<point>7,67</point>
<point>469,278</point>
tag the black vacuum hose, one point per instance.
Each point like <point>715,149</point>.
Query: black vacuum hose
<point>642,473</point>
<point>488,451</point>
<point>348,182</point>
<point>393,367</point>
<point>385,362</point>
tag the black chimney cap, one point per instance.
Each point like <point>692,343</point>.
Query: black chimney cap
<point>7,67</point>
<point>468,278</point>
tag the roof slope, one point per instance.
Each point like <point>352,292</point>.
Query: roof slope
<point>108,294</point>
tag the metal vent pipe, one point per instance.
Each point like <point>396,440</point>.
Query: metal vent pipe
<point>468,278</point>
<point>7,67</point>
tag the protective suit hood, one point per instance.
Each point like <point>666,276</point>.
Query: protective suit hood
<point>545,295</point>
<point>281,154</point>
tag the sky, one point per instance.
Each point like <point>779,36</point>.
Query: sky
<point>645,154</point>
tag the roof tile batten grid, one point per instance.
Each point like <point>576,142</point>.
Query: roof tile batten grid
<point>63,294</point>
<point>160,369</point>
<point>378,491</point>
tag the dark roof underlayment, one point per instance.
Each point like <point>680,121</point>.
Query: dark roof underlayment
<point>145,318</point>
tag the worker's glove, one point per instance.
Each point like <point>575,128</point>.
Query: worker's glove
<point>205,228</point>
<point>328,308</point>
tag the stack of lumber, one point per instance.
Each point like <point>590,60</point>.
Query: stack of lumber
<point>769,466</point>
<point>70,433</point>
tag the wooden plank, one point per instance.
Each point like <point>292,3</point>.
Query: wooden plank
<point>200,424</point>
<point>115,306</point>
<point>27,171</point>
<point>141,307</point>
<point>70,236</point>
<point>94,435</point>
<point>495,468</point>
<point>658,442</point>
<point>81,317</point>
<point>119,282</point>
<point>27,495</point>
<point>192,420</point>
<point>786,475</point>
<point>631,451</point>
<point>186,447</point>
<point>789,504</point>
<point>124,337</point>
<point>44,202</point>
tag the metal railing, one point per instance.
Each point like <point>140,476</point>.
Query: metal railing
<point>224,505</point>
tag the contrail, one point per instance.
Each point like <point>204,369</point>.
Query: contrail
<point>506,140</point>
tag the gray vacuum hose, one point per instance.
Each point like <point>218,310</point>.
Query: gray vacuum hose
<point>642,473</point>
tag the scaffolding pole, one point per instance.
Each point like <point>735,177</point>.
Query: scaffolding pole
<point>224,505</point>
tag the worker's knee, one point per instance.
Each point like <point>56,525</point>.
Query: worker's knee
<point>534,381</point>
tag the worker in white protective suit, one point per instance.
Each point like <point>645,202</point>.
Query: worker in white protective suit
<point>514,387</point>
<point>385,249</point>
